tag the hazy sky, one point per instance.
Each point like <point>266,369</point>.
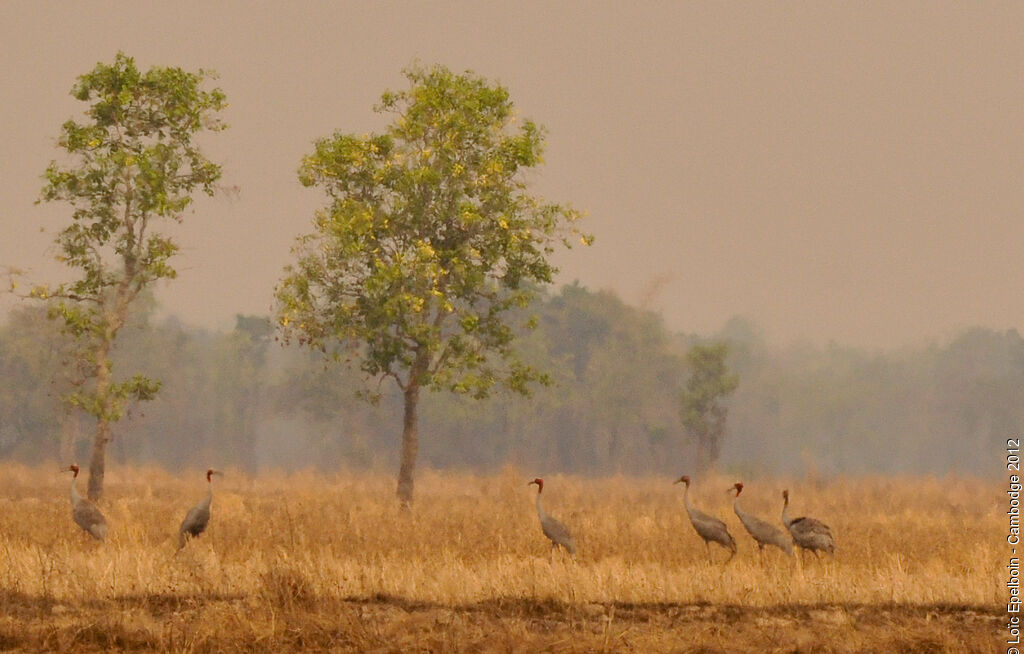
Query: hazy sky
<point>847,171</point>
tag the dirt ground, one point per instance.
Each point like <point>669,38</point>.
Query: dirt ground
<point>292,621</point>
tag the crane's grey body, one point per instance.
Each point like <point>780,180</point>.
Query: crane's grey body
<point>557,533</point>
<point>195,521</point>
<point>198,517</point>
<point>808,533</point>
<point>762,532</point>
<point>712,530</point>
<point>86,514</point>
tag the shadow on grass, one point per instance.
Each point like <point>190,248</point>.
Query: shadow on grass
<point>278,620</point>
<point>14,602</point>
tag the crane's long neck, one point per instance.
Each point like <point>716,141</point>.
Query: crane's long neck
<point>686,499</point>
<point>785,511</point>
<point>540,509</point>
<point>208,500</point>
<point>736,506</point>
<point>75,497</point>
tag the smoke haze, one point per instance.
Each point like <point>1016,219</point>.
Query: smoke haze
<point>846,172</point>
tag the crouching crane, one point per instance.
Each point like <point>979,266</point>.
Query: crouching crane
<point>199,515</point>
<point>761,531</point>
<point>808,533</point>
<point>556,532</point>
<point>708,528</point>
<point>86,514</point>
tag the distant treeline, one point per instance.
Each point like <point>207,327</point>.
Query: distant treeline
<point>239,398</point>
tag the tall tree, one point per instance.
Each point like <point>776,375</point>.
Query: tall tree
<point>429,239</point>
<point>701,410</point>
<point>133,165</point>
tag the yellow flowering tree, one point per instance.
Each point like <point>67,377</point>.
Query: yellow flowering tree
<point>133,166</point>
<point>428,241</point>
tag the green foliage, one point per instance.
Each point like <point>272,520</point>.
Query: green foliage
<point>131,163</point>
<point>429,241</point>
<point>701,411</point>
<point>111,407</point>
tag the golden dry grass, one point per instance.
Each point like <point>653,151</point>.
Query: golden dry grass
<point>308,562</point>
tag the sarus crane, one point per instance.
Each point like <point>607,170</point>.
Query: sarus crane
<point>808,533</point>
<point>708,528</point>
<point>86,514</point>
<point>198,517</point>
<point>556,532</point>
<point>761,531</point>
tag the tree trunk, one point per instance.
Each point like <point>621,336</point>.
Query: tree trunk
<point>98,462</point>
<point>410,425</point>
<point>410,443</point>
<point>705,452</point>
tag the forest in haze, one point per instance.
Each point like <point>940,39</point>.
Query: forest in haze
<point>239,398</point>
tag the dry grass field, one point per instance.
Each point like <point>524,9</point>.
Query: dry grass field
<point>304,562</point>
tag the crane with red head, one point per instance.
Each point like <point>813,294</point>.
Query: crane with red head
<point>557,533</point>
<point>762,532</point>
<point>85,514</point>
<point>198,517</point>
<point>711,530</point>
